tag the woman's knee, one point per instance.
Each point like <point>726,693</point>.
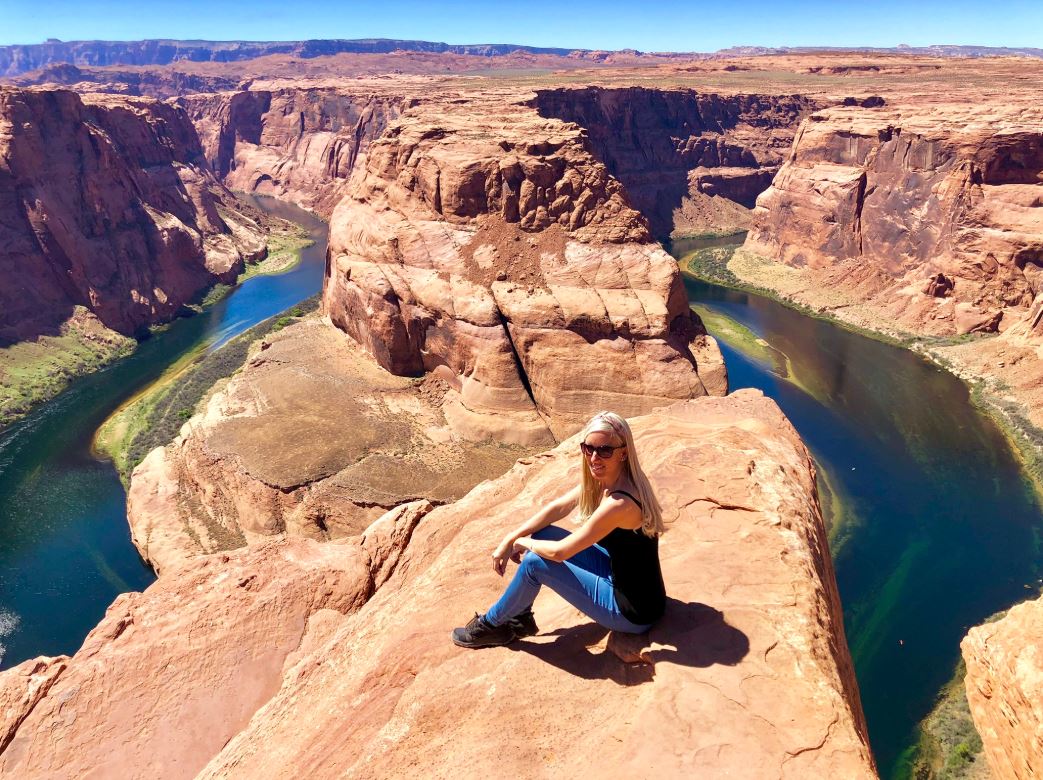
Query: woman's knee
<point>533,566</point>
<point>550,533</point>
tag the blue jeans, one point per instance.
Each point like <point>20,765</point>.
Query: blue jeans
<point>584,580</point>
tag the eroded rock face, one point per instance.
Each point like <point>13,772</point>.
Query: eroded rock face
<point>296,142</point>
<point>487,244</point>
<point>677,151</point>
<point>169,675</point>
<point>748,674</point>
<point>882,202</point>
<point>312,439</point>
<point>107,203</point>
<point>1005,690</point>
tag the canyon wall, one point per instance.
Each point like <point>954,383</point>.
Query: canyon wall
<point>686,158</point>
<point>295,142</point>
<point>20,58</point>
<point>301,658</point>
<point>1005,690</point>
<point>918,218</point>
<point>107,203</point>
<point>488,245</point>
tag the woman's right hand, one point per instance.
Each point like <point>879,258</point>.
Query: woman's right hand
<point>502,554</point>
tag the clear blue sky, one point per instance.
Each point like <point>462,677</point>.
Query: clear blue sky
<point>671,25</point>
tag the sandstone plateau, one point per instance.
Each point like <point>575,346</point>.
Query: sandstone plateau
<point>108,203</point>
<point>1005,690</point>
<point>300,658</point>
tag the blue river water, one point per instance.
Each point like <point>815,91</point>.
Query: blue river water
<point>65,549</point>
<point>936,526</point>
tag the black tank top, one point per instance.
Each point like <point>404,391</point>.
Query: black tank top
<point>637,579</point>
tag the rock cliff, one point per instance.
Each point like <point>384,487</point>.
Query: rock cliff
<point>107,203</point>
<point>1005,690</point>
<point>311,439</point>
<point>489,246</point>
<point>922,218</point>
<point>686,158</point>
<point>297,658</point>
<point>295,141</point>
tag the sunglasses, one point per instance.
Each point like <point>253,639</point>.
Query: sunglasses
<point>604,452</point>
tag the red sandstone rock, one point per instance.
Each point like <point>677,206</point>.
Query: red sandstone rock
<point>913,192</point>
<point>106,202</point>
<point>670,146</point>
<point>311,439</point>
<point>297,142</point>
<point>487,243</point>
<point>1005,690</point>
<point>272,662</point>
<point>171,674</point>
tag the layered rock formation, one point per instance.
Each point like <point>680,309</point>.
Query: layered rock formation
<point>686,158</point>
<point>107,203</point>
<point>296,142</point>
<point>490,246</point>
<point>1005,690</point>
<point>333,660</point>
<point>924,219</point>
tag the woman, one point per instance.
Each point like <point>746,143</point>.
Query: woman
<point>608,568</point>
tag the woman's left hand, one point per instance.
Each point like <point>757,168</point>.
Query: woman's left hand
<point>518,550</point>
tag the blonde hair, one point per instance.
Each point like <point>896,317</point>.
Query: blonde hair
<point>591,491</point>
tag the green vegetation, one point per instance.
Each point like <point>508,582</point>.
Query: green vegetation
<point>1011,418</point>
<point>154,416</point>
<point>34,371</point>
<point>736,335</point>
<point>707,235</point>
<point>284,254</point>
<point>711,265</point>
<point>837,508</point>
<point>949,747</point>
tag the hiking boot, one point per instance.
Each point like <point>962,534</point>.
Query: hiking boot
<point>524,624</point>
<point>478,633</point>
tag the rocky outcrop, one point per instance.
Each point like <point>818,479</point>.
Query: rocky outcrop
<point>297,658</point>
<point>489,246</point>
<point>678,151</point>
<point>1005,690</point>
<point>295,142</point>
<point>170,675</point>
<point>882,203</point>
<point>107,203</point>
<point>311,439</point>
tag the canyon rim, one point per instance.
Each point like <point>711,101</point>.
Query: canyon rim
<point>495,274</point>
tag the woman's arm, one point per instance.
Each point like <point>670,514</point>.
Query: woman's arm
<point>611,514</point>
<point>554,511</point>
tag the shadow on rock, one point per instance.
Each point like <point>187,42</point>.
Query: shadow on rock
<point>692,634</point>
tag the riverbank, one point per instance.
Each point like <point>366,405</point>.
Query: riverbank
<point>733,267</point>
<point>34,372</point>
<point>153,417</point>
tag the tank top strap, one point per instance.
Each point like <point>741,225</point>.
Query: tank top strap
<point>628,495</point>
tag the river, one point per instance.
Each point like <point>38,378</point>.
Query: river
<point>936,524</point>
<point>65,549</point>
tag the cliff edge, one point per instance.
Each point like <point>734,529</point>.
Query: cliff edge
<point>300,658</point>
<point>1005,690</point>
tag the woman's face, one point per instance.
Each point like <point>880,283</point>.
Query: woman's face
<point>604,466</point>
